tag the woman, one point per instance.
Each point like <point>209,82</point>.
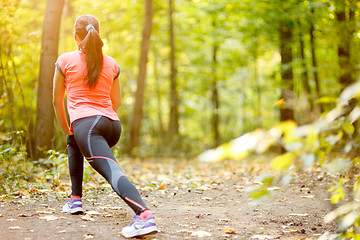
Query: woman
<point>91,81</point>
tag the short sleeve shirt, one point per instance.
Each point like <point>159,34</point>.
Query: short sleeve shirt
<point>83,101</point>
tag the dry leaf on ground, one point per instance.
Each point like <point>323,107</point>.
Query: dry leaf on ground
<point>14,228</point>
<point>201,233</point>
<point>89,236</point>
<point>229,231</point>
<point>49,217</point>
<point>262,237</point>
<point>93,213</point>
<point>87,217</point>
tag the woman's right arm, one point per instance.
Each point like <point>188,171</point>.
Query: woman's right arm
<point>58,101</point>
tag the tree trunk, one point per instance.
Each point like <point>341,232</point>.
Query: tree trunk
<point>45,118</point>
<point>174,114</point>
<point>10,94</point>
<point>215,99</point>
<point>305,73</point>
<point>345,15</point>
<point>345,18</point>
<point>315,64</point>
<point>161,130</point>
<point>287,93</point>
<point>214,89</point>
<point>2,84</point>
<point>28,138</point>
<point>139,96</point>
<point>257,87</point>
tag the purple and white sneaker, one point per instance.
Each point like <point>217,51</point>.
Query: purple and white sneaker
<point>139,227</point>
<point>73,207</point>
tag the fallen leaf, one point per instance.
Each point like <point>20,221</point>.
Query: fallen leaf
<point>207,198</point>
<point>24,215</point>
<point>229,231</point>
<point>14,228</point>
<point>115,208</point>
<point>161,187</point>
<point>201,233</point>
<point>89,236</point>
<point>299,214</point>
<point>262,237</point>
<point>223,221</point>
<point>49,217</point>
<point>87,217</point>
<point>93,213</point>
<point>183,231</point>
<point>308,196</point>
<point>44,212</point>
<point>43,190</point>
<point>109,207</point>
<point>184,225</point>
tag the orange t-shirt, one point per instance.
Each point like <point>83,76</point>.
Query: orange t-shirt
<point>81,100</point>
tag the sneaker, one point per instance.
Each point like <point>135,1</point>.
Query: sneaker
<point>139,227</point>
<point>73,207</point>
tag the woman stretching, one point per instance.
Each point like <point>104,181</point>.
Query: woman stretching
<point>91,81</point>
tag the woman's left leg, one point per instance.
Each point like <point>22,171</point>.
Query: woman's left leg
<point>76,169</point>
<point>76,166</point>
<point>95,135</point>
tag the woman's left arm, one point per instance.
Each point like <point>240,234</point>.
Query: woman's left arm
<point>115,94</point>
<point>58,101</point>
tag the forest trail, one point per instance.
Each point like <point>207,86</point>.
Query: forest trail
<point>189,201</point>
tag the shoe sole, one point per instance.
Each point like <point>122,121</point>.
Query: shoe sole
<point>75,211</point>
<point>142,232</point>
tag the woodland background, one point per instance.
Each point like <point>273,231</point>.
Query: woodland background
<point>216,69</point>
<point>196,74</point>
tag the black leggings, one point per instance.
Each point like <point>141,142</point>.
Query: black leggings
<point>93,137</point>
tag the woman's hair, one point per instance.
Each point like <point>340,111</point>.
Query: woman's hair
<point>87,28</point>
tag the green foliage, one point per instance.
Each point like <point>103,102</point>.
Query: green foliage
<point>56,163</point>
<point>19,176</point>
<point>329,143</point>
<point>283,162</point>
<point>247,68</point>
<point>13,171</point>
<point>14,165</point>
<point>20,36</point>
<point>338,191</point>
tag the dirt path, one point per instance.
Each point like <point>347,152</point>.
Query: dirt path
<point>190,202</point>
